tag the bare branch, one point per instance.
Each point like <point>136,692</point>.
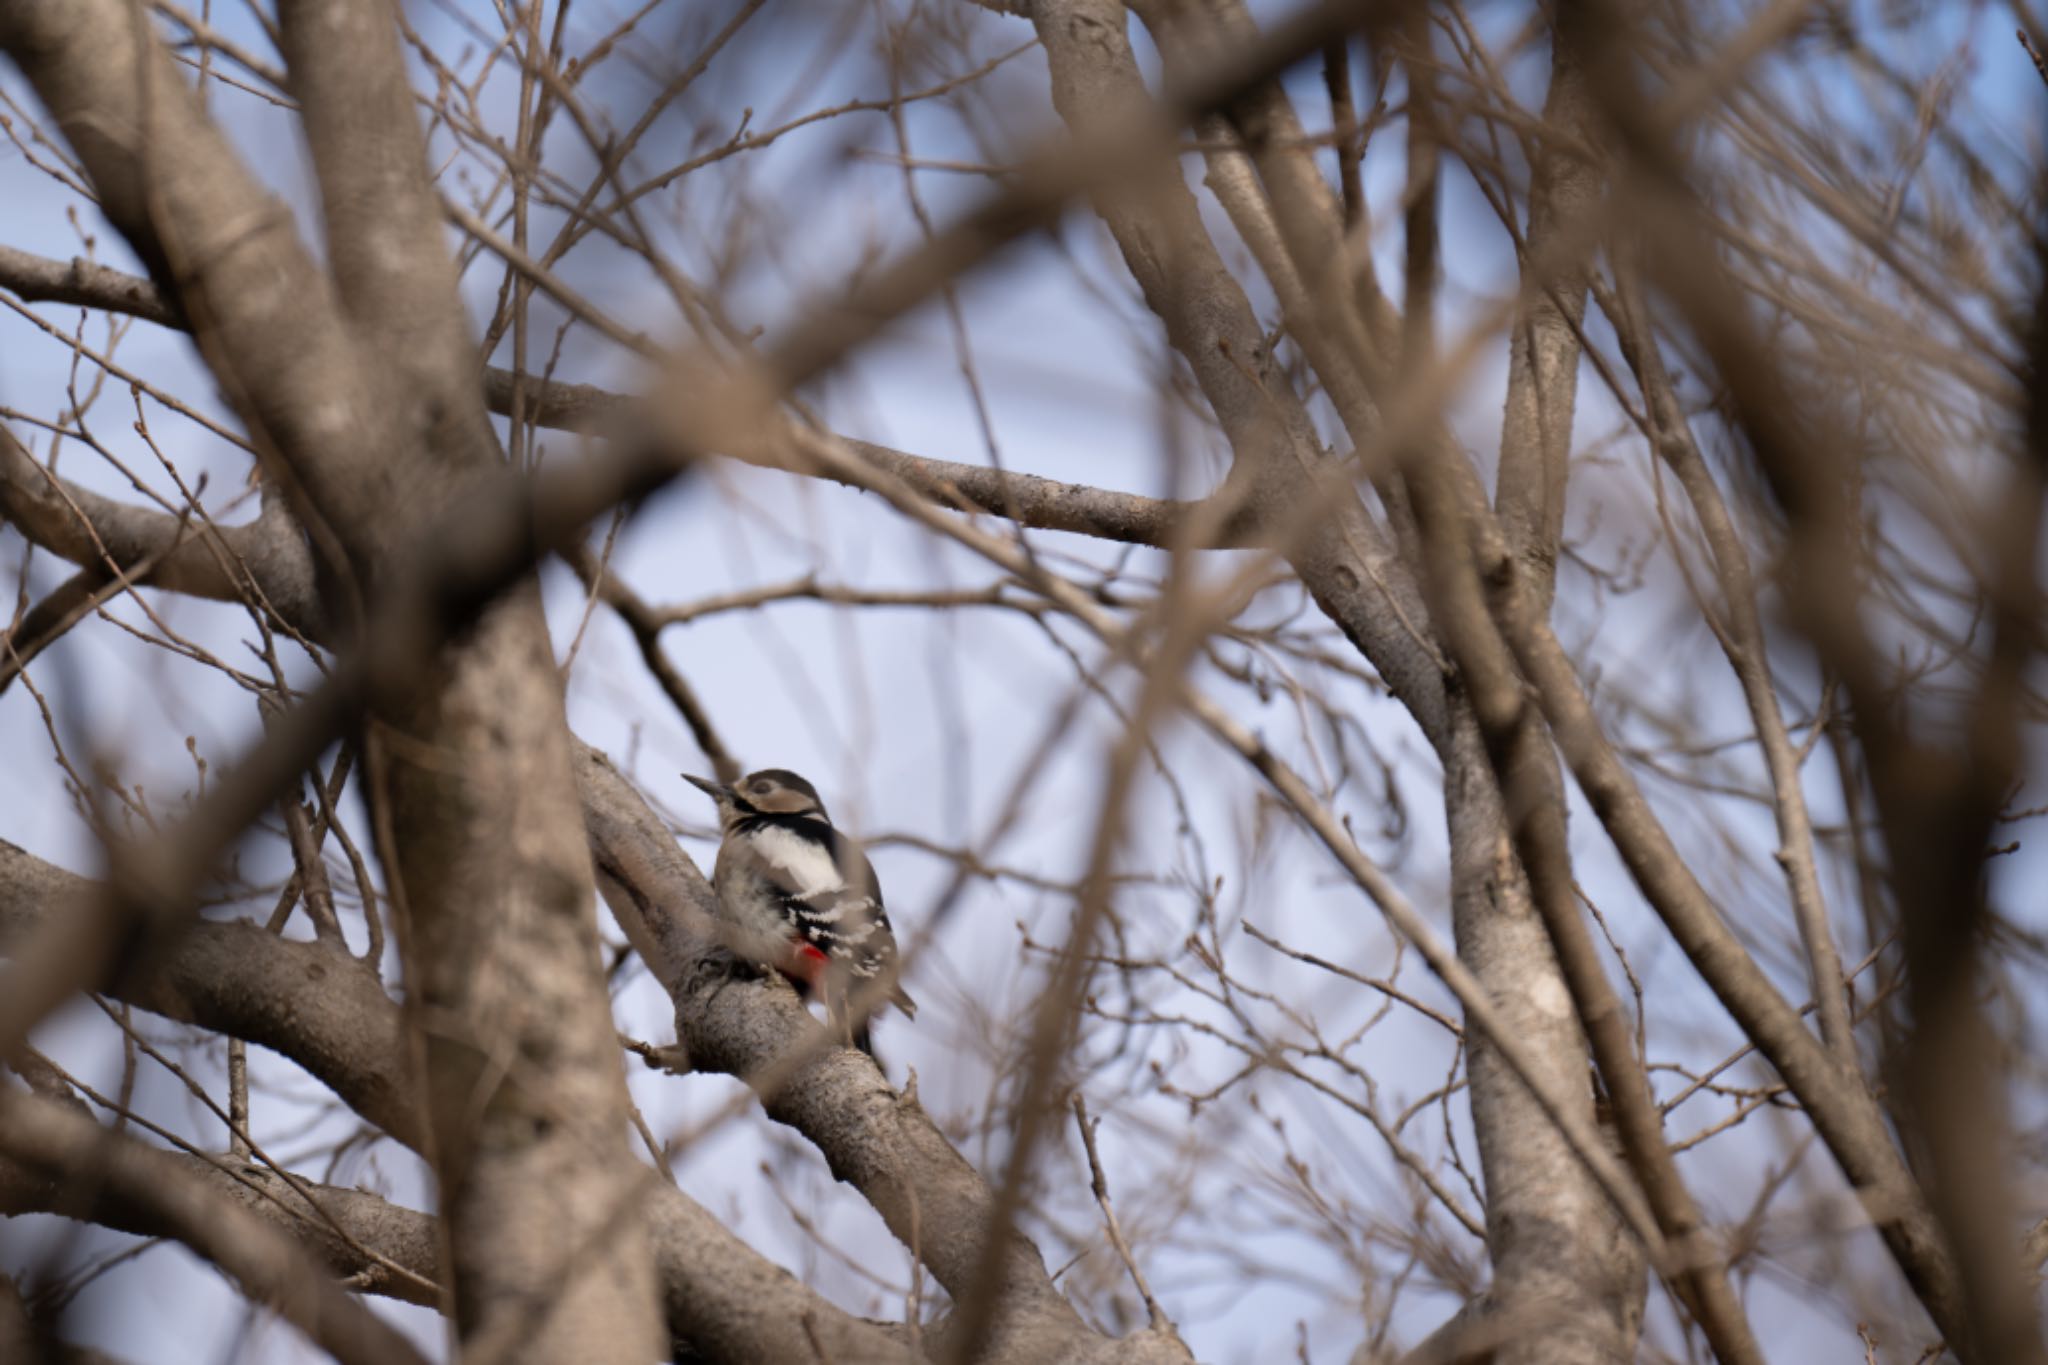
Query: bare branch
<point>79,1155</point>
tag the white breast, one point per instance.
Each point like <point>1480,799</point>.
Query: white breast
<point>805,862</point>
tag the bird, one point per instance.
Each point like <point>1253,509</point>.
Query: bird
<point>800,897</point>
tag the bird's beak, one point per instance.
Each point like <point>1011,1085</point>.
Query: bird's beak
<point>717,791</point>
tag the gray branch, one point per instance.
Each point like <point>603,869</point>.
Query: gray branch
<point>1028,499</point>
<point>85,1161</point>
<point>1552,1234</point>
<point>328,1013</point>
<point>876,1139</point>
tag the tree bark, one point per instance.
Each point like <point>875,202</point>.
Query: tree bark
<point>359,389</point>
<point>1555,1241</point>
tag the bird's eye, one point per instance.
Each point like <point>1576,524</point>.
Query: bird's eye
<point>760,788</point>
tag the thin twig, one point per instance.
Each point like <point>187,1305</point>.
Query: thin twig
<point>1100,1185</point>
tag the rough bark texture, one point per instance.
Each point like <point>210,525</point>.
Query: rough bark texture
<point>1543,362</point>
<point>323,1010</point>
<point>219,563</point>
<point>1557,1247</point>
<point>1559,1252</point>
<point>360,387</point>
<point>527,1097</point>
<point>1534,468</point>
<point>66,1148</point>
<point>335,1224</point>
<point>876,1139</point>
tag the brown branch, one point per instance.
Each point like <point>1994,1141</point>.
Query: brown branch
<point>326,1012</point>
<point>38,279</point>
<point>219,563</point>
<point>1028,499</point>
<point>1344,131</point>
<point>395,1235</point>
<point>646,623</point>
<point>87,1161</point>
<point>1039,503</point>
<point>1525,766</point>
<point>1748,655</point>
<point>1543,361</point>
<point>876,1139</point>
<point>2033,53</point>
<point>322,1008</point>
<point>1099,1184</point>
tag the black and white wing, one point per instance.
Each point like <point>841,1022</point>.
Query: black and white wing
<point>829,895</point>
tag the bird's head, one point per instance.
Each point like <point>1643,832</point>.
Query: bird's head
<point>771,791</point>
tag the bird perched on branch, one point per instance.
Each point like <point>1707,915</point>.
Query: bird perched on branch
<point>799,896</point>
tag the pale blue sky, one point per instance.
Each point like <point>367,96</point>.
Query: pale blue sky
<point>870,705</point>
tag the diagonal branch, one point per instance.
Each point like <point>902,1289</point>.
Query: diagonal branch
<point>327,1013</point>
<point>1030,500</point>
<point>393,1235</point>
<point>475,552</point>
<point>87,1161</point>
<point>221,563</point>
<point>881,1142</point>
<point>214,239</point>
<point>323,1009</point>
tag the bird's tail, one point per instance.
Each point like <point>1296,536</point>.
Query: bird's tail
<point>862,1037</point>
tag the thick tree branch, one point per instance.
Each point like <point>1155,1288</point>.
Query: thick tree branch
<point>874,1138</point>
<point>1543,365</point>
<point>266,559</point>
<point>86,1161</point>
<point>39,279</point>
<point>369,404</point>
<point>215,241</point>
<point>1552,1236</point>
<point>346,1223</point>
<point>324,1011</point>
<point>723,1301</point>
<point>1525,763</point>
<point>1542,385</point>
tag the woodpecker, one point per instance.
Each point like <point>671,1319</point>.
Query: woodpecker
<point>799,896</point>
